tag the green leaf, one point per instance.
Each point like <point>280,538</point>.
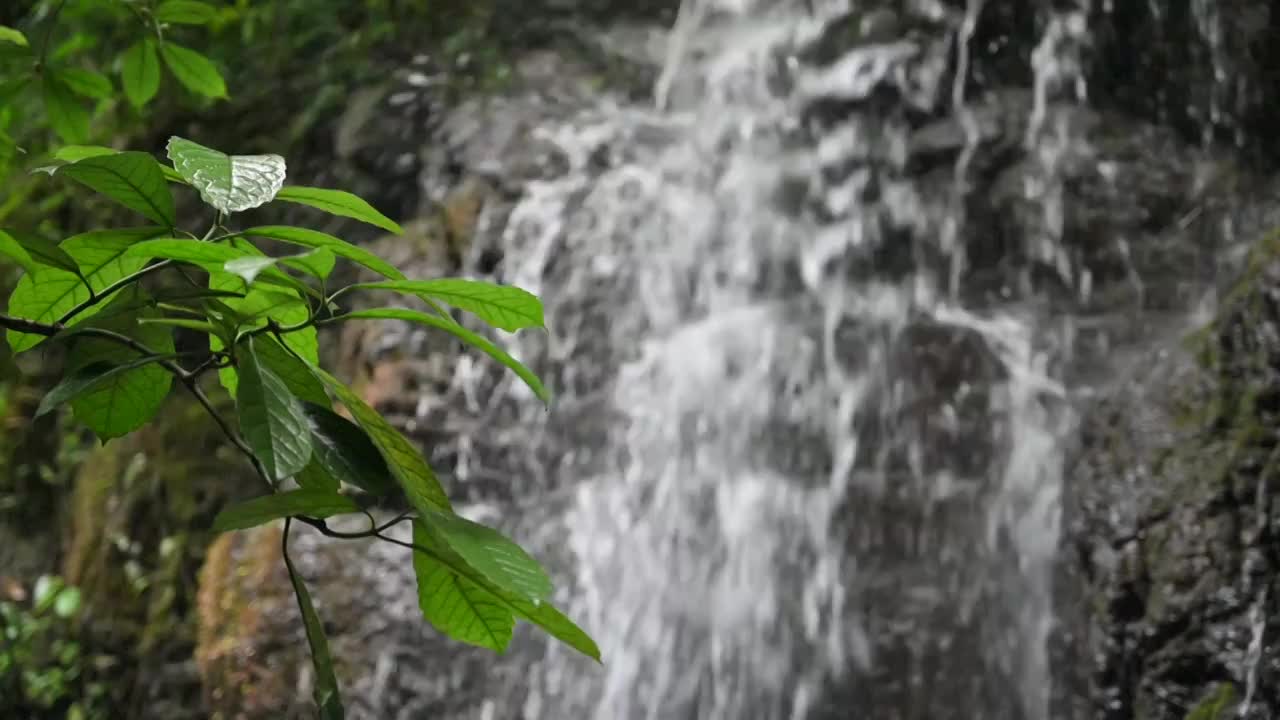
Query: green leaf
<point>13,250</point>
<point>125,402</point>
<point>327,697</point>
<point>212,257</point>
<point>555,624</point>
<point>90,377</point>
<point>132,179</point>
<point>48,294</point>
<point>406,464</point>
<point>230,183</point>
<point>477,341</point>
<point>315,239</point>
<point>296,374</point>
<point>503,563</point>
<point>88,83</point>
<point>287,311</point>
<point>271,418</point>
<point>140,72</point>
<point>346,453</point>
<point>46,252</point>
<point>76,153</point>
<point>1216,705</point>
<point>195,71</point>
<point>457,606</point>
<point>338,202</point>
<point>503,306</point>
<point>268,508</point>
<point>315,477</point>
<point>318,263</point>
<point>67,116</point>
<point>185,12</point>
<point>443,574</point>
<point>8,34</point>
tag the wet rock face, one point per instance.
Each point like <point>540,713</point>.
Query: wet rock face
<point>1172,524</point>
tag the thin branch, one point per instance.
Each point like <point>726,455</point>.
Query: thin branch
<point>9,322</point>
<point>97,297</point>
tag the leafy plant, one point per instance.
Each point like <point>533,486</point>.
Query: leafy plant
<point>1216,705</point>
<point>103,297</point>
<point>42,667</point>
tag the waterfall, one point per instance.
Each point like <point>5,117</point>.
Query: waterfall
<point>830,462</point>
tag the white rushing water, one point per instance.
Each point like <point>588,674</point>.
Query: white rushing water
<point>834,488</point>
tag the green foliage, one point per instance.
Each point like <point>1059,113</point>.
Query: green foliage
<point>260,315</point>
<point>262,510</point>
<point>1217,705</point>
<point>42,666</point>
<point>506,308</point>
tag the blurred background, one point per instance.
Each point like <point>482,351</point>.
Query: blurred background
<point>913,359</point>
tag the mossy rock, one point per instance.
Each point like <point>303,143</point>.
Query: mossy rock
<point>135,539</point>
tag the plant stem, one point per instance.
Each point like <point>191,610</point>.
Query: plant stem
<point>97,297</point>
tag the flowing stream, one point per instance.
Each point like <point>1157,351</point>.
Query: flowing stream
<point>831,475</point>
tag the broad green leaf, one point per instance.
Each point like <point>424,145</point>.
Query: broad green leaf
<point>66,114</point>
<point>268,508</point>
<point>195,71</point>
<point>502,562</point>
<point>132,179</point>
<point>76,153</point>
<point>46,252</point>
<point>140,72</point>
<point>318,263</point>
<point>230,183</point>
<point>315,239</point>
<point>248,267</point>
<point>407,465</point>
<point>338,202</point>
<point>90,377</point>
<point>346,453</point>
<point>315,477</point>
<point>8,34</point>
<point>48,294</point>
<point>456,606</point>
<point>185,12</point>
<point>271,418</point>
<point>125,402</point>
<point>88,83</point>
<point>503,306</point>
<point>557,625</point>
<point>296,374</point>
<point>327,697</point>
<point>434,563</point>
<point>479,342</point>
<point>13,250</point>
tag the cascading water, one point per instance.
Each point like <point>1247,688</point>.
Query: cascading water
<point>833,464</point>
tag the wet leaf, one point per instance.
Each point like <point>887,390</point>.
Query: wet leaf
<point>13,250</point>
<point>346,453</point>
<point>327,696</point>
<point>230,183</point>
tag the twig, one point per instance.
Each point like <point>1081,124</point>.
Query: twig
<point>97,297</point>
